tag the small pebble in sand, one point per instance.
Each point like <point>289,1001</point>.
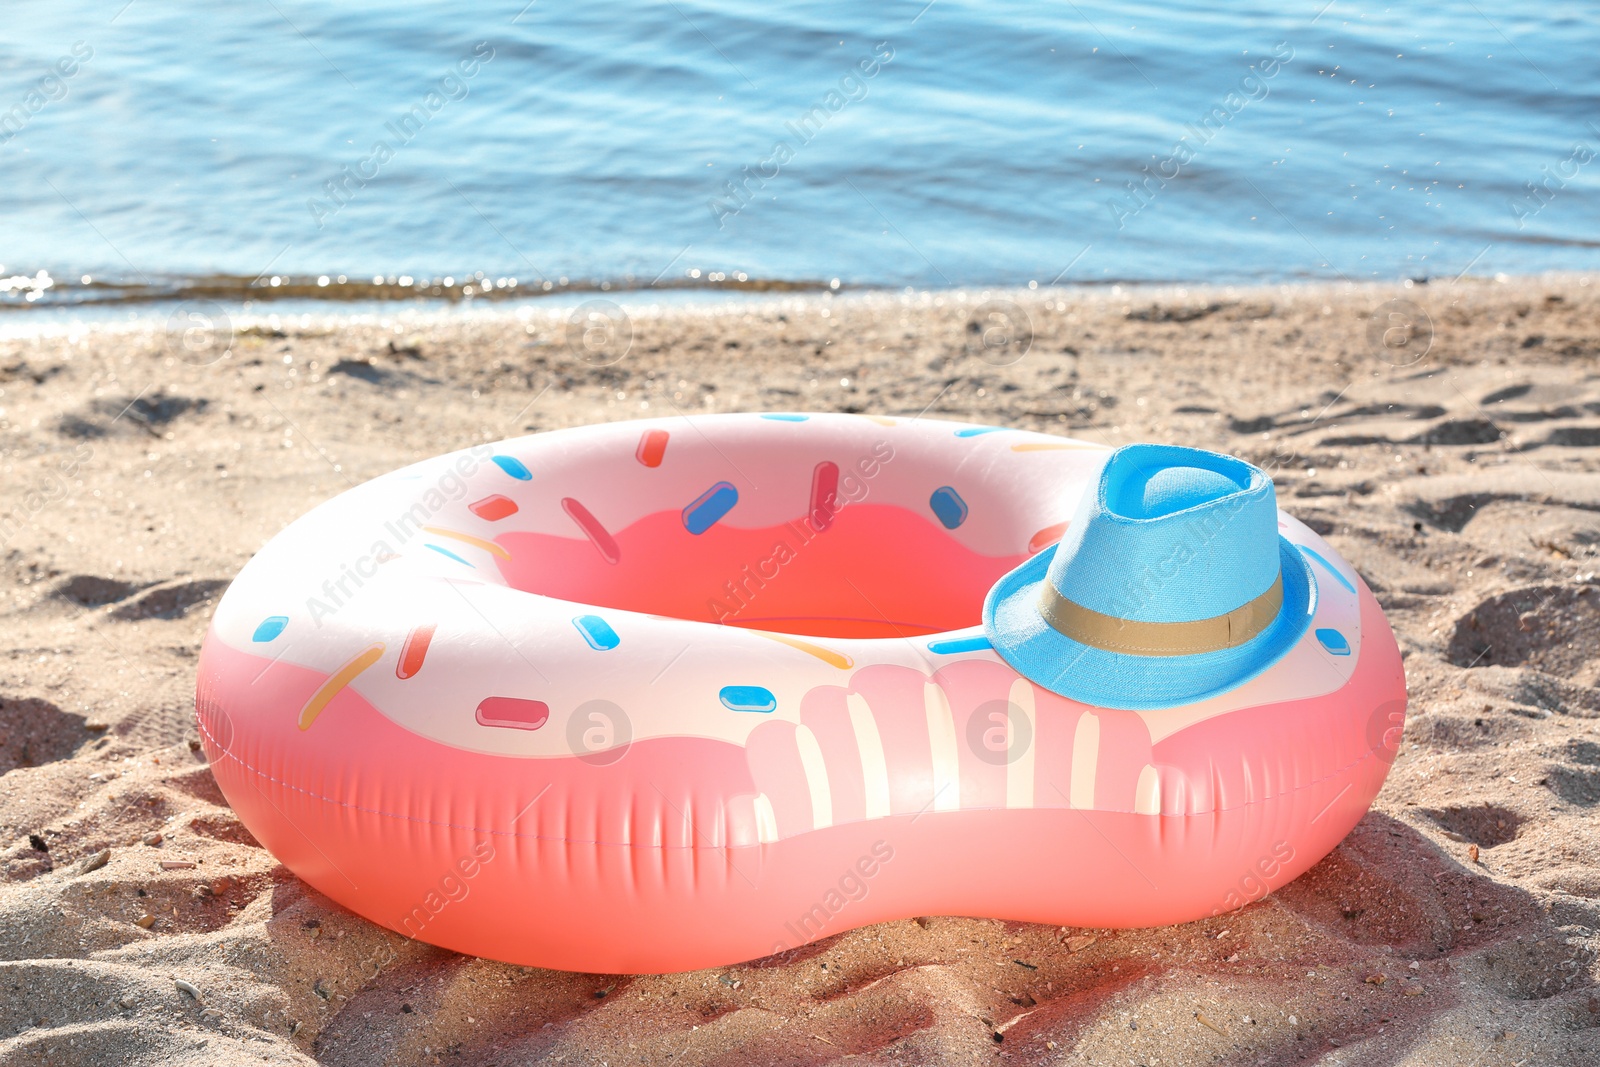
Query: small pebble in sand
<point>145,921</point>
<point>153,838</point>
<point>189,988</point>
<point>1081,942</point>
<point>96,861</point>
<point>95,726</point>
<point>1377,979</point>
<point>1472,853</point>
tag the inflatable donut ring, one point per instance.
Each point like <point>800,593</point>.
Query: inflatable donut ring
<point>675,693</point>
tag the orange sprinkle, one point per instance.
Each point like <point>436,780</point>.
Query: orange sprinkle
<point>468,539</point>
<point>826,655</point>
<point>1056,446</point>
<point>336,683</point>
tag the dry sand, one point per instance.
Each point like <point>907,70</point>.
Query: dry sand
<point>1457,924</point>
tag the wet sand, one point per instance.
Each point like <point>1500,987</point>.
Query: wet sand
<point>1455,462</point>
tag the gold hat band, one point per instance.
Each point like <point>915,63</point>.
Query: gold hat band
<point>1111,634</point>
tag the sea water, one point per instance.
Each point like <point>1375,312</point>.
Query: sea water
<point>179,144</point>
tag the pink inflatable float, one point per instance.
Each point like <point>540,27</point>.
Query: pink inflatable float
<point>676,693</point>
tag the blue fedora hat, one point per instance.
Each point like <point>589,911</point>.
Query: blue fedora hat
<point>1171,585</point>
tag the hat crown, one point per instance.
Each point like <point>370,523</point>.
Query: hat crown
<point>1170,534</point>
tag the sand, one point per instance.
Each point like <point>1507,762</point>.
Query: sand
<point>1456,468</point>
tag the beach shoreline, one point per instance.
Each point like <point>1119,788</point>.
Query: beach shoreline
<point>1443,435</point>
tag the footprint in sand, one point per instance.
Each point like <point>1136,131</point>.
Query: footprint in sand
<point>93,591</point>
<point>1574,775</point>
<point>150,600</point>
<point>148,413</point>
<point>1551,628</point>
<point>1484,825</point>
<point>34,732</point>
<point>172,601</point>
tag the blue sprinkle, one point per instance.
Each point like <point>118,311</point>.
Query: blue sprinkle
<point>711,506</point>
<point>270,627</point>
<point>787,418</point>
<point>447,552</point>
<point>747,698</point>
<point>513,467</point>
<point>1334,642</point>
<point>597,632</point>
<point>953,645</point>
<point>1341,579</point>
<point>974,431</point>
<point>948,506</point>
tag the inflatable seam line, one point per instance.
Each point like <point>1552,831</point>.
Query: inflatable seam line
<point>720,848</point>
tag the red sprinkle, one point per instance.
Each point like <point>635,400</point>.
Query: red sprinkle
<point>824,494</point>
<point>493,508</point>
<point>513,713</point>
<point>652,446</point>
<point>413,651</point>
<point>1046,537</point>
<point>592,529</point>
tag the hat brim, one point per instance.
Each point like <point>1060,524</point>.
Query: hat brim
<point>1095,676</point>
